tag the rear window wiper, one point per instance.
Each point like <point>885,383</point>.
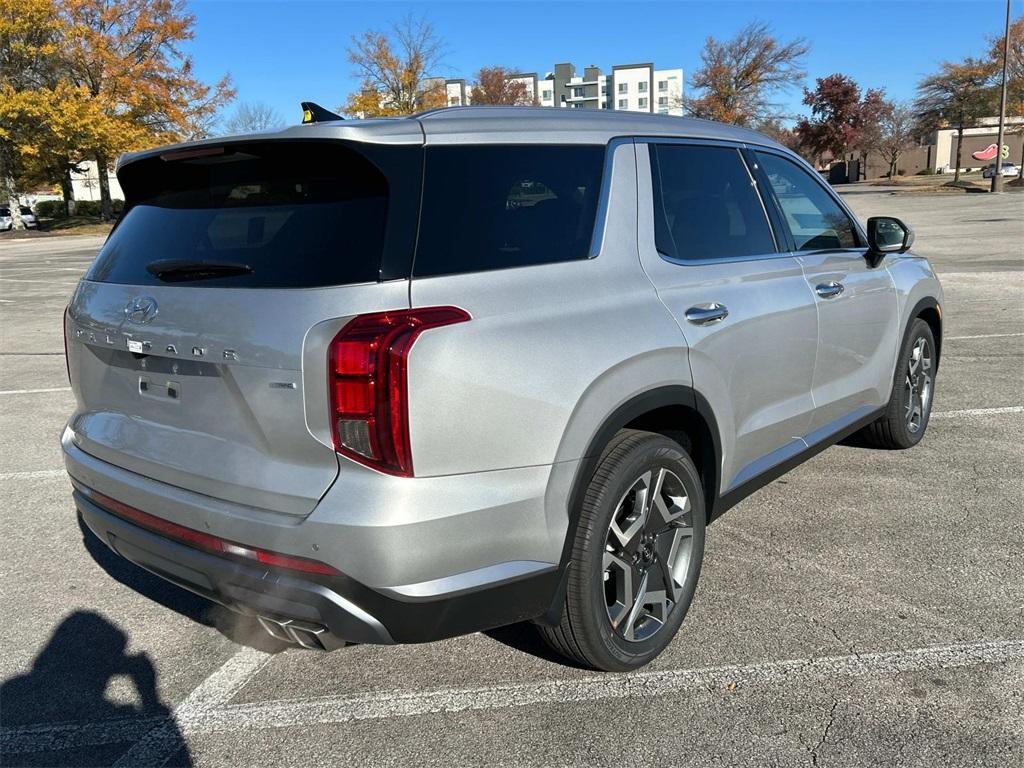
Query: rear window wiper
<point>180,270</point>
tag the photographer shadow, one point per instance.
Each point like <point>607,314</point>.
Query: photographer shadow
<point>69,679</point>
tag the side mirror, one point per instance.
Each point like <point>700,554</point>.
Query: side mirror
<point>887,234</point>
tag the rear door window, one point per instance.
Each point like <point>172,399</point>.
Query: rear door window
<point>815,219</point>
<point>705,205</point>
<point>294,215</point>
<point>494,207</point>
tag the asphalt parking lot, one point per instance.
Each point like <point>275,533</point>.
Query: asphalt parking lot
<point>867,608</point>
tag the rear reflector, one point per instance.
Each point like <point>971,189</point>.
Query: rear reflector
<point>205,541</point>
<point>368,384</point>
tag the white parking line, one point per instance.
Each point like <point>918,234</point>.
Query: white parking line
<point>33,391</point>
<point>37,474</point>
<point>978,412</point>
<point>984,336</point>
<point>205,711</point>
<point>161,743</point>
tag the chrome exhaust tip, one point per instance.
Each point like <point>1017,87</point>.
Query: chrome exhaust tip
<point>311,636</point>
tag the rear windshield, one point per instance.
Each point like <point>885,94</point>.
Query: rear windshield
<point>288,215</point>
<point>493,207</point>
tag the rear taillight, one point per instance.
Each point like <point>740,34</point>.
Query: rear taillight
<point>67,360</point>
<point>368,383</point>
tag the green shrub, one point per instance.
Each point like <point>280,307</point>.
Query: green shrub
<point>54,209</point>
<point>50,209</point>
<point>926,172</point>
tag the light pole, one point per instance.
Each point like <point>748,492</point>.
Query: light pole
<point>997,177</point>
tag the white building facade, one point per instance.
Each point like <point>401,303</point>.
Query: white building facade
<point>630,87</point>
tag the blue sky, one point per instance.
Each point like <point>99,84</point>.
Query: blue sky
<point>281,53</point>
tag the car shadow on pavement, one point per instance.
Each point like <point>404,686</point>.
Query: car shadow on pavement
<point>525,638</point>
<point>69,679</point>
<point>244,630</point>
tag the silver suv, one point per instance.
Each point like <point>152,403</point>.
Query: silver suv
<point>390,381</point>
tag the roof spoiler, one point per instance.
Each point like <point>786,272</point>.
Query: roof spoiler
<point>314,113</point>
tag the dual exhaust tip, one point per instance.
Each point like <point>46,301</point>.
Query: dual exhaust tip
<point>314,637</point>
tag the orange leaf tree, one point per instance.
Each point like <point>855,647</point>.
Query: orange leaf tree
<point>90,79</point>
<point>128,56</point>
<point>395,69</point>
<point>495,86</point>
<point>957,96</point>
<point>737,77</point>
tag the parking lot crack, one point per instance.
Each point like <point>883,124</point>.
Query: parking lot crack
<point>824,734</point>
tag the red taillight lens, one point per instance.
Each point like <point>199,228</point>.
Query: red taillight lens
<point>368,384</point>
<point>67,360</point>
<point>206,541</point>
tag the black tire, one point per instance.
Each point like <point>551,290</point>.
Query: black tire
<point>896,429</point>
<point>586,633</point>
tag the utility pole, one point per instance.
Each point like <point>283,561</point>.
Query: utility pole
<point>997,177</point>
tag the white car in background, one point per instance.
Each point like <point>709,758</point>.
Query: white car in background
<point>27,218</point>
<point>1005,169</point>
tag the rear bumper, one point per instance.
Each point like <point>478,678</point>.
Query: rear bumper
<point>315,608</point>
<point>334,608</point>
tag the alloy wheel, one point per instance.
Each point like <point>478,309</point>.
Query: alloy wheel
<point>918,385</point>
<point>647,554</point>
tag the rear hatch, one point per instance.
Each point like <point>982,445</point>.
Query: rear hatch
<point>197,341</point>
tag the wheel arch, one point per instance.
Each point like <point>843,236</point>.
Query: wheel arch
<point>676,411</point>
<point>929,310</point>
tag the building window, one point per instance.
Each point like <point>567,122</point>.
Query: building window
<point>663,85</point>
<point>623,103</point>
<point>663,111</point>
<point>604,90</point>
<point>623,87</point>
<point>643,103</point>
<point>642,86</point>
<point>546,95</point>
<point>663,101</point>
<point>577,93</point>
<point>453,101</point>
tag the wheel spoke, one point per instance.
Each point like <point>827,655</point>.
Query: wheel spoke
<point>635,608</point>
<point>635,518</point>
<point>622,575</point>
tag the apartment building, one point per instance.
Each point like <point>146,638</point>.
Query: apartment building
<point>630,87</point>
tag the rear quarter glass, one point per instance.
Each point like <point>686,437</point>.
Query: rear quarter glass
<point>497,206</point>
<point>296,214</point>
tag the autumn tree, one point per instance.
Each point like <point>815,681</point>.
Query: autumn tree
<point>494,85</point>
<point>1014,73</point>
<point>129,56</point>
<point>842,120</point>
<point>957,96</point>
<point>253,116</point>
<point>775,129</point>
<point>394,69</point>
<point>738,77</point>
<point>29,42</point>
<point>895,135</point>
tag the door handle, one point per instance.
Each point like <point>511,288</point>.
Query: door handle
<point>706,314</point>
<point>829,290</point>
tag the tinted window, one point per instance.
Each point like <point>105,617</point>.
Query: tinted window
<point>297,215</point>
<point>815,219</point>
<point>705,206</point>
<point>491,207</point>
